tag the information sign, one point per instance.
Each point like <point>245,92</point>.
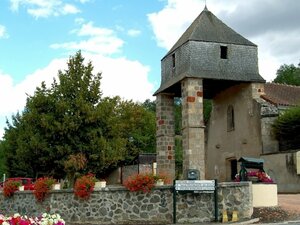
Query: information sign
<point>207,186</point>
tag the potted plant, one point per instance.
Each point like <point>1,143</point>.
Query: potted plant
<point>10,187</point>
<point>42,187</point>
<point>100,184</point>
<point>84,186</point>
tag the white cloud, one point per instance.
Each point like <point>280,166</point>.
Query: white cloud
<point>134,32</point>
<point>44,8</point>
<point>123,77</point>
<point>274,45</point>
<point>99,40</point>
<point>3,32</point>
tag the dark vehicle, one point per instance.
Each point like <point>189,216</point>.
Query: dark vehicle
<point>28,183</point>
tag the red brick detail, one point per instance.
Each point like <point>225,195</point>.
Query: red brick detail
<point>161,122</point>
<point>199,93</point>
<point>169,147</point>
<point>190,99</point>
<point>169,157</point>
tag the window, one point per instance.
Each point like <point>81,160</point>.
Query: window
<point>173,60</point>
<point>230,118</point>
<point>223,53</point>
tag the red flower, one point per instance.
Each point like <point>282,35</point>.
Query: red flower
<point>10,187</point>
<point>84,186</point>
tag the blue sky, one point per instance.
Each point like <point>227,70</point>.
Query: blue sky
<point>125,40</point>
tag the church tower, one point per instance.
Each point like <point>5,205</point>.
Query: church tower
<point>207,59</point>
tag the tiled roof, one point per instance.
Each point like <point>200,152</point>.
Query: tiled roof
<point>282,94</point>
<point>208,28</point>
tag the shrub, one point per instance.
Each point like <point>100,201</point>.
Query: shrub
<point>10,187</point>
<point>287,129</point>
<point>42,187</point>
<point>84,186</point>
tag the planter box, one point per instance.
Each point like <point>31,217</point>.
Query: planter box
<point>56,187</point>
<point>21,188</point>
<point>264,195</point>
<point>99,185</point>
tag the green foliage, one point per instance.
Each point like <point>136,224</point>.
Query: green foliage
<point>178,157</point>
<point>287,129</point>
<point>288,74</point>
<point>2,160</point>
<point>72,118</point>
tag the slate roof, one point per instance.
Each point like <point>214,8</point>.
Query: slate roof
<point>207,27</point>
<point>282,94</point>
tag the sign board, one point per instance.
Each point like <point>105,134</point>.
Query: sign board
<point>201,186</point>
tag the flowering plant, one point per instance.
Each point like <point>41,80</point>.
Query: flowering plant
<point>140,182</point>
<point>45,219</point>
<point>10,187</point>
<point>261,176</point>
<point>42,187</point>
<point>84,186</point>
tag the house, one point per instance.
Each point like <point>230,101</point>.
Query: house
<point>212,61</point>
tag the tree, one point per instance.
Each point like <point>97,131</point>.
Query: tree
<point>288,74</point>
<point>2,160</point>
<point>287,129</point>
<point>71,118</point>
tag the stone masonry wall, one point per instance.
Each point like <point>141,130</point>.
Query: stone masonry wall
<point>165,134</point>
<point>116,205</point>
<point>193,126</point>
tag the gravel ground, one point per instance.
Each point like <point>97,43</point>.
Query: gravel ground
<point>288,210</point>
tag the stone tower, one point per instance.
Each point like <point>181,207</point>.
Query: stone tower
<point>208,58</point>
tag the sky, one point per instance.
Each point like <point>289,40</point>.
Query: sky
<point>125,40</point>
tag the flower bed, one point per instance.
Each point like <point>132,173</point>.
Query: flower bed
<point>144,182</point>
<point>44,219</point>
<point>256,176</point>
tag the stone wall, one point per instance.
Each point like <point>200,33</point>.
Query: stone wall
<point>116,205</point>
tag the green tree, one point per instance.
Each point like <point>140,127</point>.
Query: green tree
<point>2,160</point>
<point>287,129</point>
<point>71,118</point>
<point>288,74</point>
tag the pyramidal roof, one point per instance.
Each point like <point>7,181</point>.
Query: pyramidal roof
<point>208,28</point>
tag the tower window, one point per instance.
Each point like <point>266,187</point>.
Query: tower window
<point>223,53</point>
<point>230,118</point>
<point>173,60</point>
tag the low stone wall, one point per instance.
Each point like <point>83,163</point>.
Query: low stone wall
<point>116,205</point>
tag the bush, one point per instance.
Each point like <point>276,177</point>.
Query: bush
<point>287,129</point>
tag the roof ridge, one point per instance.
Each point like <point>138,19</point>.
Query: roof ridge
<point>280,84</point>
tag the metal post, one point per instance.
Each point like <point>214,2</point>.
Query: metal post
<point>216,201</point>
<point>174,202</point>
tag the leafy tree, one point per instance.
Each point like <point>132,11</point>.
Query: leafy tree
<point>287,129</point>
<point>72,118</point>
<point>2,160</point>
<point>288,74</point>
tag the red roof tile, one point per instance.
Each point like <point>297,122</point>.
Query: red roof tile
<point>282,94</point>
